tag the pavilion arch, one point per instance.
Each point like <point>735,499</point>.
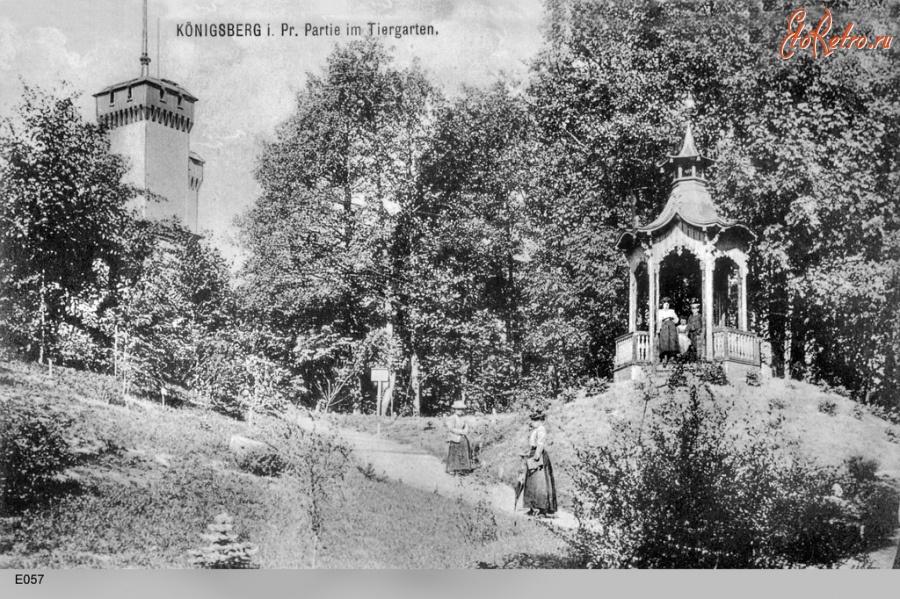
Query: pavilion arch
<point>681,279</point>
<point>726,292</point>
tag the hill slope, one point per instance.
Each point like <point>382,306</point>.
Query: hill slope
<point>148,480</point>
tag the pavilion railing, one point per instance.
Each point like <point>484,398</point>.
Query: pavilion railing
<point>729,345</point>
<point>733,345</point>
<point>633,348</point>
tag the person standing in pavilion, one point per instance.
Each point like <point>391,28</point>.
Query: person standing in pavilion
<point>695,329</point>
<point>668,332</point>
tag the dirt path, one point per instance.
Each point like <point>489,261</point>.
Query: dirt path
<point>412,466</point>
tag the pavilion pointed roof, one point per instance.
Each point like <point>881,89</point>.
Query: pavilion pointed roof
<point>689,200</point>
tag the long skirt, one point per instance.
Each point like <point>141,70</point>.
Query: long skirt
<point>668,337</point>
<point>459,456</point>
<point>540,487</point>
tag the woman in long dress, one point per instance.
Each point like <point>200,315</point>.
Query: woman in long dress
<point>668,332</point>
<point>459,452</point>
<point>540,486</point>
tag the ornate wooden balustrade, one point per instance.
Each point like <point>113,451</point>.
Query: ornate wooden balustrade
<point>633,348</point>
<point>729,346</point>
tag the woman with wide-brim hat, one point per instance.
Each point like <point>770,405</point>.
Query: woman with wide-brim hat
<point>540,486</point>
<point>459,451</point>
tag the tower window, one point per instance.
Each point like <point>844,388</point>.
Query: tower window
<point>162,95</point>
<point>112,97</point>
<point>129,93</point>
<point>180,98</point>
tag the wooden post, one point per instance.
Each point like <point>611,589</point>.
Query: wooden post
<point>415,384</point>
<point>654,302</point>
<point>708,268</point>
<point>742,303</point>
<point>632,299</point>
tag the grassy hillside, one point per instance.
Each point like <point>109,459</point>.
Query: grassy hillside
<point>147,479</point>
<point>824,428</point>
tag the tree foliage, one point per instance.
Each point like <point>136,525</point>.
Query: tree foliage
<point>700,488</point>
<point>62,208</point>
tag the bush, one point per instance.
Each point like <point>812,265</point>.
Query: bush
<point>224,550</point>
<point>872,501</point>
<point>828,406</point>
<point>477,523</point>
<point>314,467</point>
<point>697,490</point>
<point>34,454</point>
<point>686,374</point>
<point>261,463</point>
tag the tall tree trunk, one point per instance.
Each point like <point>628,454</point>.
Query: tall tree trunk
<point>43,319</point>
<point>777,325</point>
<point>797,349</point>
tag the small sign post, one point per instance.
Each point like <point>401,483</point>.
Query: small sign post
<point>381,377</point>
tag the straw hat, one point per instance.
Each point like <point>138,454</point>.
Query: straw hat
<point>458,405</point>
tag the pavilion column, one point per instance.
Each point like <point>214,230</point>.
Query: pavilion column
<point>742,304</point>
<point>632,297</point>
<point>652,268</point>
<point>708,267</point>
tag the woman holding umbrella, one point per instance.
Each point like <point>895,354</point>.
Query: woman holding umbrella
<point>459,452</point>
<point>540,486</point>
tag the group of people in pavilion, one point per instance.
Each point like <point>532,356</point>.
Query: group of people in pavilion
<point>680,338</point>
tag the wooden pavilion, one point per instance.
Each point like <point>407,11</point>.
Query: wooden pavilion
<point>688,253</point>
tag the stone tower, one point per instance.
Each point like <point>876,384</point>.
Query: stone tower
<point>150,122</point>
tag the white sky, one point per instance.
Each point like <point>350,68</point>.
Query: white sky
<point>246,86</point>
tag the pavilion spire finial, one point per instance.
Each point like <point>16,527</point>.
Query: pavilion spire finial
<point>145,58</point>
<point>688,148</point>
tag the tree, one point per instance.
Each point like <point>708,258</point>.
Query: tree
<point>62,208</point>
<point>820,201</point>
<point>174,317</point>
<point>340,170</point>
<point>462,247</point>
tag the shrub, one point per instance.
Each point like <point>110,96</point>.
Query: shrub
<point>260,463</point>
<point>828,406</point>
<point>872,501</point>
<point>686,374</point>
<point>700,490</point>
<point>224,550</point>
<point>34,454</point>
<point>314,466</point>
<point>476,523</point>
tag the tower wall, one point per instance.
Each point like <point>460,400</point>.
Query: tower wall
<point>149,122</point>
<point>130,141</point>
<point>166,159</point>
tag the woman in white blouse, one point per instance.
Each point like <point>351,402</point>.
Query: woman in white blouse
<point>668,332</point>
<point>459,452</point>
<point>540,486</point>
